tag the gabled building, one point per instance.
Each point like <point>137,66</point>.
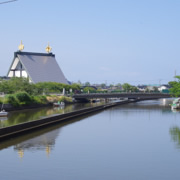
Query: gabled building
<point>142,88</point>
<point>164,87</point>
<point>38,67</point>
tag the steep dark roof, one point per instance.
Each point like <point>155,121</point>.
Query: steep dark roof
<point>41,67</point>
<point>165,85</point>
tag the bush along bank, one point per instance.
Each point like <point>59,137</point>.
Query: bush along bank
<point>23,99</point>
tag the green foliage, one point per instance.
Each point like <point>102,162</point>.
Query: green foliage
<point>101,91</point>
<point>129,88</point>
<point>11,99</point>
<point>52,87</point>
<point>39,100</point>
<point>89,89</point>
<point>16,84</point>
<point>65,99</point>
<point>175,134</point>
<point>87,84</point>
<point>23,98</point>
<point>175,87</point>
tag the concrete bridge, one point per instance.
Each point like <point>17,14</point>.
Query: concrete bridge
<point>140,96</point>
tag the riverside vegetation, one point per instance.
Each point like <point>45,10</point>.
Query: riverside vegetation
<point>20,92</point>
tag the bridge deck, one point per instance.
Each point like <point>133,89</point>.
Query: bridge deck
<point>122,95</point>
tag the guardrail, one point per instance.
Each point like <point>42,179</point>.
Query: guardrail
<point>122,95</point>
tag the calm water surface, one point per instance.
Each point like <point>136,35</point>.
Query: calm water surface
<point>18,117</point>
<point>138,141</point>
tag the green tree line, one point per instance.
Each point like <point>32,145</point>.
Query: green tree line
<point>16,84</point>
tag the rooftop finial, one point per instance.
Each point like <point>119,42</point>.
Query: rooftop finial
<point>48,49</point>
<point>21,46</point>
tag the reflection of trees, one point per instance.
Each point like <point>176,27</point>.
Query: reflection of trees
<point>23,116</point>
<point>175,135</point>
<point>18,117</point>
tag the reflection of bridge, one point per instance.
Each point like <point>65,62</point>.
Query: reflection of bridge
<point>140,96</point>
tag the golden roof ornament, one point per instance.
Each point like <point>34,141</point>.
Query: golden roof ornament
<point>48,49</point>
<point>48,150</point>
<point>21,46</point>
<point>21,153</point>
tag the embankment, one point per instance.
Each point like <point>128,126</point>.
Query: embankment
<point>11,131</point>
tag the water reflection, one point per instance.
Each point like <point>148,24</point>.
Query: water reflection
<point>100,143</point>
<point>175,110</point>
<point>147,106</point>
<point>41,140</point>
<point>175,135</point>
<point>23,116</point>
<point>44,142</point>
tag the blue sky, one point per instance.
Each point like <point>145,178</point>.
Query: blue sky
<point>113,41</point>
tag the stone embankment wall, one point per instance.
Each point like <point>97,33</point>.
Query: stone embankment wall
<point>29,126</point>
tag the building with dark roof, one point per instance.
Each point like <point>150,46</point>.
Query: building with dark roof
<point>38,67</point>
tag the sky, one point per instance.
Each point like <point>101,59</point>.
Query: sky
<point>99,41</point>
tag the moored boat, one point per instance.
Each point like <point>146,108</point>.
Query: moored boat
<point>176,104</point>
<point>59,104</point>
<point>3,113</point>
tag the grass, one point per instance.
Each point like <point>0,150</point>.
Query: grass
<point>23,99</point>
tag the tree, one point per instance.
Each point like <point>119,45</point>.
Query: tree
<point>119,85</point>
<point>16,84</point>
<point>129,88</point>
<point>103,85</point>
<point>22,85</point>
<point>126,87</point>
<point>175,87</point>
<point>87,84</point>
<point>89,89</point>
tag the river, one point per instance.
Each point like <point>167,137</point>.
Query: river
<point>137,141</point>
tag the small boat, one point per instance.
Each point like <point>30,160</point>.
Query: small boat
<point>58,104</point>
<point>176,104</point>
<point>3,113</point>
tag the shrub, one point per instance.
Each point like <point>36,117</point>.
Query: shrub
<point>89,89</point>
<point>11,99</point>
<point>23,98</point>
<point>39,99</point>
<point>1,100</point>
<point>64,99</point>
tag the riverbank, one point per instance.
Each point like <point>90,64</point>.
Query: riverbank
<point>22,101</point>
<point>8,132</point>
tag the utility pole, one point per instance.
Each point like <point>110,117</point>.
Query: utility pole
<point>175,75</point>
<point>160,82</point>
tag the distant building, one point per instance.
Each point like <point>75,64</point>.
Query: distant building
<point>163,87</point>
<point>38,67</point>
<point>142,88</point>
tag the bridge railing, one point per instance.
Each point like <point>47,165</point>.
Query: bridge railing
<point>123,95</point>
